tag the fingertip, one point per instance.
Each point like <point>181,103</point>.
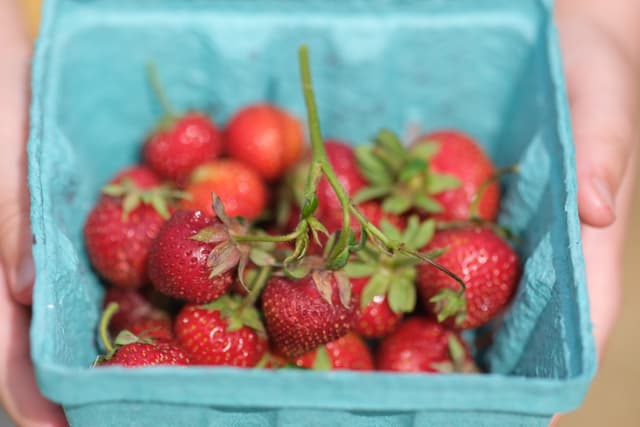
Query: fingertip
<point>21,278</point>
<point>596,202</point>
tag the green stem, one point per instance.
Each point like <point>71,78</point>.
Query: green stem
<point>158,90</point>
<point>269,239</point>
<point>372,229</point>
<point>435,264</point>
<point>103,327</point>
<point>318,152</point>
<point>256,287</point>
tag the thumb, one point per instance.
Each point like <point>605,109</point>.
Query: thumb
<point>602,83</point>
<point>15,236</point>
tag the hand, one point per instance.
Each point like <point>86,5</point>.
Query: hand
<point>19,393</point>
<point>601,56</point>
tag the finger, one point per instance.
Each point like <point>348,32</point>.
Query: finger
<point>15,237</point>
<point>19,393</point>
<point>603,93</point>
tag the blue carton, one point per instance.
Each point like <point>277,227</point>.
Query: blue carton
<point>491,68</point>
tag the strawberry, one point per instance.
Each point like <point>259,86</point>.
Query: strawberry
<point>180,259</point>
<point>222,333</point>
<point>142,176</point>
<point>384,284</point>
<point>487,264</point>
<point>121,227</point>
<point>180,144</point>
<point>266,138</point>
<point>242,190</point>
<point>133,306</point>
<point>458,155</point>
<point>347,352</point>
<point>422,345</point>
<point>302,314</point>
<point>376,319</point>
<point>129,350</point>
<point>138,353</point>
<point>157,326</point>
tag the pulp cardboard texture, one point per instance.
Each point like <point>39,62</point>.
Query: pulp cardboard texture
<point>490,68</point>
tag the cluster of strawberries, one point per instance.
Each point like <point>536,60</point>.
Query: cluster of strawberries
<point>240,248</point>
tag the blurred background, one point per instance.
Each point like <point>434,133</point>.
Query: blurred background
<point>612,400</point>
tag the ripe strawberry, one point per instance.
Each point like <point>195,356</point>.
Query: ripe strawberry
<point>460,156</point>
<point>180,256</point>
<point>242,191</point>
<point>157,326</point>
<point>347,352</point>
<point>487,264</point>
<point>221,333</point>
<point>138,354</point>
<point>133,305</point>
<point>266,138</point>
<point>376,319</point>
<point>305,313</point>
<point>422,345</point>
<point>181,144</point>
<point>120,229</point>
<point>142,176</point>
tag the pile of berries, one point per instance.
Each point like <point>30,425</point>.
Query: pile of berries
<point>246,247</point>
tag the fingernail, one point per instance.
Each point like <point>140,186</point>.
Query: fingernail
<point>603,193</point>
<point>25,275</point>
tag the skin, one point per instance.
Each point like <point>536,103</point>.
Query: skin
<point>600,41</point>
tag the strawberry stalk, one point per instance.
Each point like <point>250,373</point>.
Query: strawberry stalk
<point>256,287</point>
<point>320,166</point>
<point>320,159</point>
<point>103,327</point>
<point>170,114</point>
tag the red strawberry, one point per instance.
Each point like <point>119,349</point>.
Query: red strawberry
<point>487,264</point>
<point>181,144</point>
<point>376,319</point>
<point>459,155</point>
<point>242,191</point>
<point>347,352</point>
<point>179,256</point>
<point>133,305</point>
<point>138,354</point>
<point>422,345</point>
<point>305,313</point>
<point>119,231</point>
<point>265,137</point>
<point>157,326</point>
<point>217,333</point>
<point>142,176</point>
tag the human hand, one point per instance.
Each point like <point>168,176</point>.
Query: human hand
<point>601,52</point>
<point>19,393</point>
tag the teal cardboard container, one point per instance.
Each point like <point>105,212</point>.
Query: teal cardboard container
<point>491,68</point>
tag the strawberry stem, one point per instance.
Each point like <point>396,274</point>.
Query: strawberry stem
<point>103,327</point>
<point>319,155</point>
<point>269,238</point>
<point>158,90</point>
<point>256,287</point>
